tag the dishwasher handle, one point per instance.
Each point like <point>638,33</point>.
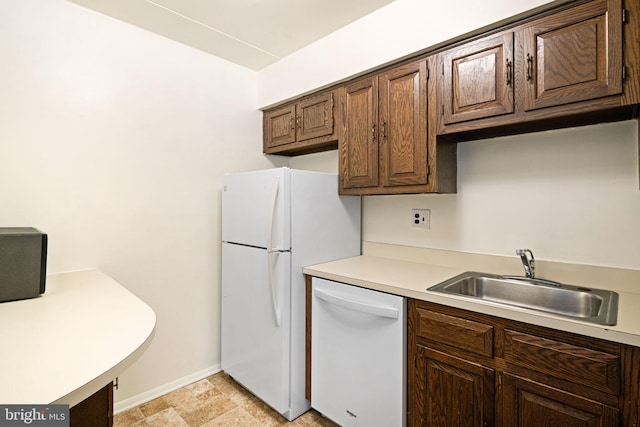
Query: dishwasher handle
<point>378,310</point>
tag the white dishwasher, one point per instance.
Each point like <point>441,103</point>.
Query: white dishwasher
<point>358,342</point>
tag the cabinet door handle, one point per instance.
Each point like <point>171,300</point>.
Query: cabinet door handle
<point>373,133</point>
<point>384,130</point>
<point>509,71</point>
<point>298,122</point>
<point>291,123</point>
<point>529,67</point>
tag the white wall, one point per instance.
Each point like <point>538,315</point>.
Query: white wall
<point>570,195</point>
<point>114,141</point>
<point>326,161</point>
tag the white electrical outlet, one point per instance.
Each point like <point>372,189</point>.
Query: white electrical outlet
<point>421,218</point>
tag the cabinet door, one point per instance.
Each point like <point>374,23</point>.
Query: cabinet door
<point>403,125</point>
<point>574,55</point>
<point>96,410</point>
<point>280,126</point>
<point>359,146</point>
<point>478,79</point>
<point>447,391</point>
<point>315,117</point>
<point>529,404</point>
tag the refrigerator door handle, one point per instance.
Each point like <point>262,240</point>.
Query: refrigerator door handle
<point>274,205</point>
<point>272,288</point>
<point>271,253</point>
<point>378,310</point>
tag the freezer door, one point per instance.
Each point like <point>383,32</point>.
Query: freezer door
<point>255,208</point>
<point>256,321</point>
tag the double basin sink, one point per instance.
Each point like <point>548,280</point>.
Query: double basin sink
<point>575,302</point>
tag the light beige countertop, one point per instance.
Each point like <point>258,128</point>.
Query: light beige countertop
<point>410,271</point>
<point>70,342</point>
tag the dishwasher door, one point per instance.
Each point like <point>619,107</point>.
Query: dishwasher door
<point>358,353</point>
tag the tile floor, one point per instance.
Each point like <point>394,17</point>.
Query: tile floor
<point>216,401</point>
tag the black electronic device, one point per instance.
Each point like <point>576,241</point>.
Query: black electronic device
<point>23,263</point>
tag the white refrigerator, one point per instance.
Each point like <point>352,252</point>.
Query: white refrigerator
<point>275,222</point>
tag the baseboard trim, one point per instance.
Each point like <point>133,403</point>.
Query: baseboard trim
<point>154,393</point>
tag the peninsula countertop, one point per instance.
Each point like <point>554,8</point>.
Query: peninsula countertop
<point>70,342</point>
<point>409,272</point>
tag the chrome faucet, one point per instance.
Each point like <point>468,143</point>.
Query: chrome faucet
<point>528,262</point>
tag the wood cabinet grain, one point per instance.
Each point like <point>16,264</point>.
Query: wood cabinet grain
<point>396,127</point>
<point>529,403</point>
<point>453,392</point>
<point>94,411</point>
<point>568,68</point>
<point>478,79</point>
<point>531,376</point>
<point>592,368</point>
<point>447,332</point>
<point>403,121</point>
<point>358,157</point>
<point>384,136</point>
<point>301,127</point>
<point>572,56</point>
<point>280,126</point>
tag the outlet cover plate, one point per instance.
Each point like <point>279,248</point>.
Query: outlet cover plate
<point>421,218</point>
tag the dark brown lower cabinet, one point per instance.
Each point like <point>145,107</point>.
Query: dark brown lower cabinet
<point>475,370</point>
<point>530,404</point>
<point>94,411</point>
<point>456,393</point>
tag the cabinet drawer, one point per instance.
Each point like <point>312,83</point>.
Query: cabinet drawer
<point>580,365</point>
<point>466,335</point>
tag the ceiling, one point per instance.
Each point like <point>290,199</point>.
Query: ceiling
<point>251,33</point>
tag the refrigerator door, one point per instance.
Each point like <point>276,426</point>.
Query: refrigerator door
<point>255,209</point>
<point>256,321</point>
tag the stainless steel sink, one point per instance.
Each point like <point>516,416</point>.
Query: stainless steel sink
<point>586,304</point>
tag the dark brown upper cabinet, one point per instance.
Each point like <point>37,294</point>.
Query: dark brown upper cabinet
<point>554,71</point>
<point>279,127</point>
<point>383,144</point>
<point>301,127</point>
<point>569,63</point>
<point>478,79</point>
<point>358,157</point>
<point>572,56</point>
<point>403,117</point>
